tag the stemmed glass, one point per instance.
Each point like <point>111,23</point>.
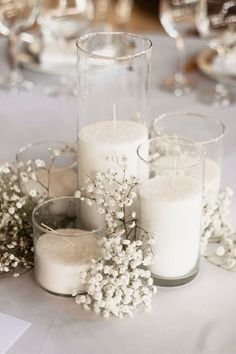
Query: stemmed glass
<point>216,24</point>
<point>15,17</point>
<point>62,21</point>
<point>178,19</point>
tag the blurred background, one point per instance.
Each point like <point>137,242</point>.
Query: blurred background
<point>41,36</point>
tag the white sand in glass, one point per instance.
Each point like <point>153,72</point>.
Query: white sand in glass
<point>171,206</point>
<point>103,140</point>
<point>60,259</point>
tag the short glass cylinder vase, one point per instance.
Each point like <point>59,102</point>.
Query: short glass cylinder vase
<point>63,248</point>
<point>204,130</point>
<point>170,206</point>
<point>113,87</point>
<point>48,168</point>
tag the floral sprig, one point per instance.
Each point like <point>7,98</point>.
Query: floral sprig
<point>16,241</point>
<point>117,284</point>
<point>218,242</point>
<point>16,206</point>
<point>115,196</point>
<point>28,171</point>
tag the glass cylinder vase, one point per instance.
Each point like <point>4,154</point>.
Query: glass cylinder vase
<point>202,129</point>
<point>63,247</point>
<point>48,168</point>
<point>170,206</point>
<point>113,88</point>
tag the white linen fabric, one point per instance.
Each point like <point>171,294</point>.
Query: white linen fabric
<point>199,318</point>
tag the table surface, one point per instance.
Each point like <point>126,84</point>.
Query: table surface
<point>197,318</point>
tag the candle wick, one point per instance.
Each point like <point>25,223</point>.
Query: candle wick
<point>114,116</point>
<point>48,227</point>
<point>62,236</point>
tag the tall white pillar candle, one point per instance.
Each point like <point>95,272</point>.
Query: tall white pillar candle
<point>170,207</point>
<point>100,141</point>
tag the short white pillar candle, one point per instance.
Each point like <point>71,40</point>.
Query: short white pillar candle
<point>61,256</point>
<point>171,208</point>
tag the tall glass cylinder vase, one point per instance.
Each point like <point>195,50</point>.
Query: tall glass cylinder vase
<point>113,88</point>
<point>170,206</point>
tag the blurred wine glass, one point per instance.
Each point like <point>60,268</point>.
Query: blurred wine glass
<point>15,17</point>
<point>65,19</point>
<point>61,22</point>
<point>178,19</point>
<point>216,23</point>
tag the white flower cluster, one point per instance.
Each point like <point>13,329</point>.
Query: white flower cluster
<point>217,242</point>
<point>112,197</point>
<point>118,284</point>
<point>16,247</point>
<point>225,253</point>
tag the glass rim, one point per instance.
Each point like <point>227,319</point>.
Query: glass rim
<point>41,142</point>
<point>170,139</point>
<point>191,114</point>
<point>53,231</point>
<point>140,53</point>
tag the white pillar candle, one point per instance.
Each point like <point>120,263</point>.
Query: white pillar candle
<point>100,141</point>
<point>171,208</point>
<point>63,182</point>
<point>59,259</point>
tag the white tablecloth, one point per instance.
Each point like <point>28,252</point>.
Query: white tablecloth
<point>194,319</point>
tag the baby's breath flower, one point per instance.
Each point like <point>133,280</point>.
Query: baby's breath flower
<point>19,205</point>
<point>39,163</point>
<point>120,215</point>
<point>218,232</point>
<point>24,177</point>
<point>57,152</point>
<point>15,223</point>
<point>220,251</point>
<point>77,194</point>
<point>33,193</point>
<point>11,210</point>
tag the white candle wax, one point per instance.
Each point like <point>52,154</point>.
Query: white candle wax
<point>63,182</point>
<point>103,140</point>
<point>171,208</point>
<point>59,259</point>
